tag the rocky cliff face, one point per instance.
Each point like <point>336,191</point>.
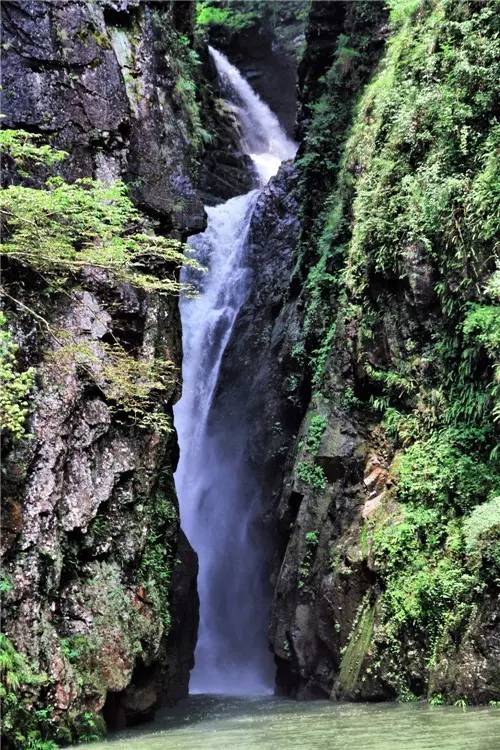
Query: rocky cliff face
<point>384,589</point>
<point>101,591</point>
<point>365,351</point>
<point>103,82</point>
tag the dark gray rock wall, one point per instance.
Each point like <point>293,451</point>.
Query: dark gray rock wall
<point>103,595</point>
<point>101,84</point>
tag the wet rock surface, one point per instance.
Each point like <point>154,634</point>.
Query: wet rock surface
<point>257,360</point>
<point>327,626</point>
<point>99,82</point>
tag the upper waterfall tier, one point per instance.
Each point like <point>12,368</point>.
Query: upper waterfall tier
<point>264,140</point>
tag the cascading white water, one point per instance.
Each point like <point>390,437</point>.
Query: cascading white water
<point>218,496</point>
<point>264,140</point>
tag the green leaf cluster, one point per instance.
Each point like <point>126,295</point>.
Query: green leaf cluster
<point>23,726</point>
<point>216,14</point>
<point>57,231</point>
<point>28,151</point>
<point>449,470</point>
<point>15,386</point>
<point>62,228</point>
<point>311,474</point>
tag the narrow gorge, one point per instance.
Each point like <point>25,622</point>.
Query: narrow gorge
<point>249,345</point>
<point>220,499</point>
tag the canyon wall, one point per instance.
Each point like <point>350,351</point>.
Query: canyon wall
<point>365,353</point>
<point>388,585</point>
<point>99,581</point>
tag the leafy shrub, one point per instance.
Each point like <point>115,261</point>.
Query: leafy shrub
<point>27,150</point>
<point>482,539</point>
<point>210,14</point>
<point>15,386</point>
<point>446,470</point>
<point>312,538</point>
<point>23,726</point>
<point>317,426</point>
<point>420,561</point>
<point>312,475</point>
<point>482,521</point>
<point>62,228</point>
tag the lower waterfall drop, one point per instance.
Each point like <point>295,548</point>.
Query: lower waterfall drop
<point>218,496</point>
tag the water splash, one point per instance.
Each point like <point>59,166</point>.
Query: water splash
<point>219,498</point>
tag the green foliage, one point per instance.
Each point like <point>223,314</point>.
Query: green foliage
<point>283,19</point>
<point>425,590</point>
<point>62,228</point>
<point>89,727</point>
<point>5,585</point>
<point>312,541</point>
<point>311,474</point>
<point>481,327</point>
<point>185,63</point>
<point>316,428</point>
<point>209,13</point>
<point>482,323</point>
<point>431,561</point>
<point>27,150</point>
<point>402,10</point>
<point>136,389</point>
<point>57,231</point>
<point>320,355</point>
<point>482,540</point>
<point>400,279</point>
<point>482,521</point>
<point>447,470</point>
<point>358,644</point>
<point>15,386</point>
<point>23,726</point>
<point>75,647</point>
<point>437,699</point>
<point>324,182</point>
<point>312,538</point>
<point>155,570</point>
<point>461,703</point>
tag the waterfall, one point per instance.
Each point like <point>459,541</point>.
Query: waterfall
<point>218,496</point>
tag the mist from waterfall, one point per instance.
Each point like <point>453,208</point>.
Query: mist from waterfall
<point>220,501</point>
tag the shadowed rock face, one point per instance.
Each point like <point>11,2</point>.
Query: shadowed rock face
<point>98,81</point>
<point>225,170</point>
<point>258,360</point>
<point>89,500</point>
<point>327,627</point>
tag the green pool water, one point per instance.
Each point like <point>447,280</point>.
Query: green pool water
<point>216,722</point>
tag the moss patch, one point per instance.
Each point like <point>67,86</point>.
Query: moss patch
<point>357,647</point>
